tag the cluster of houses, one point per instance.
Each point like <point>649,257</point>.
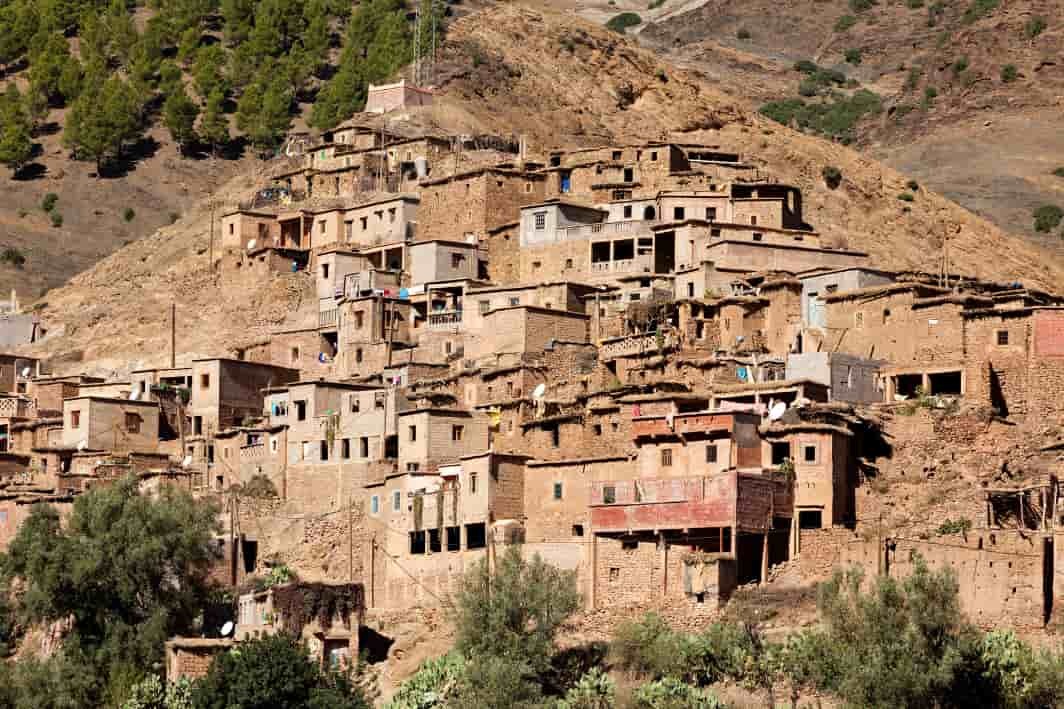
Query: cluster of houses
<point>638,361</point>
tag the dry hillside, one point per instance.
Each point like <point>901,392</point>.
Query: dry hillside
<point>559,81</point>
<point>988,143</point>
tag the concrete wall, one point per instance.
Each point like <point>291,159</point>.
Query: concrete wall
<point>814,288</point>
<point>111,424</point>
<point>852,379</point>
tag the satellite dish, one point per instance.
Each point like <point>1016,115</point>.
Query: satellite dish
<point>251,244</point>
<point>25,371</point>
<point>539,391</point>
<point>227,629</point>
<point>186,462</point>
<point>134,394</point>
<point>83,444</point>
<point>777,411</point>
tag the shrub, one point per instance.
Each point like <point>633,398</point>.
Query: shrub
<point>1034,27</point>
<point>1059,172</point>
<point>914,4</point>
<point>862,5</point>
<point>934,13</point>
<point>22,213</point>
<point>48,203</point>
<point>743,34</point>
<point>902,110</point>
<point>805,66</point>
<point>621,22</point>
<point>648,648</point>
<point>834,118</point>
<point>1047,217</point>
<point>912,185</point>
<point>128,214</point>
<point>906,197</point>
<point>174,216</point>
<point>845,22</point>
<point>655,4</point>
<point>960,66</point>
<point>429,686</point>
<point>595,690</point>
<point>954,526</point>
<point>853,56</point>
<point>13,257</point>
<point>670,693</point>
<point>57,219</point>
<point>1009,73</point>
<point>930,94</point>
<point>832,176</point>
<point>978,10</point>
<point>808,87</point>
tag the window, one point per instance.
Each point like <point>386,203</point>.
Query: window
<point>557,491</point>
<point>629,544</point>
<point>457,260</point>
<point>578,530</point>
<point>454,538</point>
<point>472,483</point>
<point>515,302</point>
<point>616,155</point>
<point>363,447</point>
<point>598,429</point>
<point>568,263</point>
<point>711,214</point>
<point>391,214</point>
<point>132,422</point>
<point>758,236</point>
<point>555,436</point>
<point>358,354</point>
<point>364,222</point>
<point>412,433</point>
<point>1002,338</point>
<point>197,424</point>
<point>485,306</point>
<point>609,494</point>
<point>809,454</point>
<point>230,228</point>
<point>323,447</point>
<point>541,220</point>
<point>753,220</point>
<point>831,289</point>
<point>397,500</point>
<point>355,404</point>
<point>565,181</point>
<point>690,290</point>
<point>417,542</point>
<point>653,156</point>
<point>321,226</point>
<point>711,453</point>
<point>447,347</point>
<point>476,536</point>
<point>627,211</point>
<point>666,457</point>
<point>75,419</point>
<point>375,504</point>
<point>345,448</point>
<point>301,411</point>
<point>715,233</point>
<point>358,320</point>
<point>205,381</point>
<point>457,432</point>
<point>325,271</point>
<point>629,175</point>
<point>858,319</point>
<point>677,213</point>
<point>349,229</point>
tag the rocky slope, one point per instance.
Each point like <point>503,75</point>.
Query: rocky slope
<point>560,82</point>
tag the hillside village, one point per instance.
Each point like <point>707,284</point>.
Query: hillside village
<point>639,361</point>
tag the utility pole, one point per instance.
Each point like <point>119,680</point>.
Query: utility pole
<point>210,249</point>
<point>173,335</point>
<point>350,540</point>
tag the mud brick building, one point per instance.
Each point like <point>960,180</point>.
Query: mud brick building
<point>472,204</point>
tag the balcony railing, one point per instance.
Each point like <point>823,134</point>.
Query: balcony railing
<point>328,318</point>
<point>632,345</point>
<point>445,319</point>
<point>585,231</point>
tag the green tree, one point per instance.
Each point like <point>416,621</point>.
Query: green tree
<point>214,126</point>
<point>128,569</point>
<point>273,672</point>
<point>70,79</point>
<point>514,610</point>
<point>263,112</point>
<point>46,66</point>
<point>238,16</point>
<point>208,71</point>
<point>16,143</point>
<point>189,45</point>
<point>179,115</point>
<point>101,121</point>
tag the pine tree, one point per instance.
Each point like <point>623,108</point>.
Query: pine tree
<point>70,79</point>
<point>263,112</point>
<point>169,76</point>
<point>208,71</point>
<point>238,16</point>
<point>214,126</point>
<point>122,34</point>
<point>190,41</point>
<point>101,121</point>
<point>179,115</point>
<point>46,66</point>
<point>316,38</point>
<point>16,143</point>
<point>35,104</point>
<point>18,22</point>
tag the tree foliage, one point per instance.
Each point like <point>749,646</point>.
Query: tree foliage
<point>179,115</point>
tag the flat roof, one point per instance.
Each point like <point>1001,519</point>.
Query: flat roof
<point>436,410</point>
<point>112,400</point>
<point>557,202</point>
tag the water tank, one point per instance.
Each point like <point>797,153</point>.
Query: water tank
<point>421,165</point>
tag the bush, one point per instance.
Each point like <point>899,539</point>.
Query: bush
<point>431,685</point>
<point>930,94</point>
<point>48,203</point>
<point>954,526</point>
<point>808,88</point>
<point>862,5</point>
<point>648,648</point>
<point>1009,73</point>
<point>655,4</point>
<point>1059,172</point>
<point>174,216</point>
<point>743,34</point>
<point>1034,27</point>
<point>912,185</point>
<point>805,66</point>
<point>906,197</point>
<point>845,22</point>
<point>128,214</point>
<point>673,694</point>
<point>832,176</point>
<point>853,56</point>
<point>914,4</point>
<point>595,690</point>
<point>1047,217</point>
<point>978,10</point>
<point>902,110</point>
<point>621,22</point>
<point>960,66</point>
<point>13,257</point>
<point>833,118</point>
<point>57,219</point>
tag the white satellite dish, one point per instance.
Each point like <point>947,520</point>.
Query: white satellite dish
<point>186,462</point>
<point>227,629</point>
<point>777,411</point>
<point>83,444</point>
<point>25,371</point>
<point>251,244</point>
<point>133,395</point>
<point>539,391</point>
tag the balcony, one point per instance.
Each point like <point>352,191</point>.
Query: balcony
<point>445,319</point>
<point>11,407</point>
<point>700,422</point>
<point>747,501</point>
<point>328,318</point>
<point>586,231</point>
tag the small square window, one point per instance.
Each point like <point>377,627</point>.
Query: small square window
<point>540,220</point>
<point>758,236</point>
<point>413,467</point>
<point>666,457</point>
<point>457,432</point>
<point>1002,337</point>
<point>609,494</point>
<point>413,433</point>
<point>515,302</point>
<point>132,423</point>
<point>578,530</point>
<point>809,454</point>
<point>397,501</point>
<point>597,429</point>
<point>678,213</point>
<point>485,306</point>
<point>627,211</point>
<point>374,504</point>
<point>557,491</point>
<point>711,453</point>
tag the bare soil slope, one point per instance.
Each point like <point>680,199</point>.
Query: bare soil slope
<point>560,81</point>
